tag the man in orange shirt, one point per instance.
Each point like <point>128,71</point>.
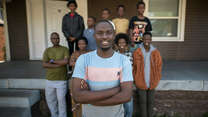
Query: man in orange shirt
<point>147,68</point>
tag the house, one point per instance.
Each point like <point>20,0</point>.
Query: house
<point>180,32</point>
<point>179,26</point>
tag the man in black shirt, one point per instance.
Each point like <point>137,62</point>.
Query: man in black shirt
<point>139,24</point>
<point>72,25</point>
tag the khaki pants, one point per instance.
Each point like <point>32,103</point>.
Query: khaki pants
<point>55,92</point>
<point>146,102</point>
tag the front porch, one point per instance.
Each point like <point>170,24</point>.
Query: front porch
<point>176,75</point>
<point>182,91</point>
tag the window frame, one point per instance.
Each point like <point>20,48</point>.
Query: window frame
<point>181,22</point>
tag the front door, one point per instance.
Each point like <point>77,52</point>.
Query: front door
<point>55,10</point>
<point>17,29</point>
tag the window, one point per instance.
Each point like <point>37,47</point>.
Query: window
<point>167,18</point>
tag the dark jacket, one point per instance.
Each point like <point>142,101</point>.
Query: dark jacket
<point>72,27</point>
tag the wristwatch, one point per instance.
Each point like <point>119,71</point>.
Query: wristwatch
<point>51,61</point>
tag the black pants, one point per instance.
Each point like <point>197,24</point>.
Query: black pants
<point>146,102</point>
<point>71,47</point>
<point>71,50</point>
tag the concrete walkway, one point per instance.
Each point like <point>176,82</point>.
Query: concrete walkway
<point>185,70</point>
<point>176,75</point>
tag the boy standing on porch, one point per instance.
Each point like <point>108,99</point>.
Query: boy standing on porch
<point>55,60</point>
<point>89,32</point>
<point>106,14</point>
<point>147,68</point>
<point>139,24</point>
<point>106,74</point>
<point>121,23</point>
<point>72,25</point>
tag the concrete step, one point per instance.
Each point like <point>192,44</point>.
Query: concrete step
<point>14,112</point>
<point>18,98</point>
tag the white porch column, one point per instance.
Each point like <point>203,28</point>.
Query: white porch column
<point>83,10</point>
<point>8,57</point>
<point>36,28</point>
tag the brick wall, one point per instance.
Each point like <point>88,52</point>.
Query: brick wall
<point>2,44</point>
<point>195,43</point>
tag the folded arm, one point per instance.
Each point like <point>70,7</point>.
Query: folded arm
<point>85,96</point>
<point>123,96</point>
<point>61,62</point>
<point>56,63</point>
<point>50,65</point>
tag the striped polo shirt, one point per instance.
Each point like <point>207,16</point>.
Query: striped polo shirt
<point>100,74</point>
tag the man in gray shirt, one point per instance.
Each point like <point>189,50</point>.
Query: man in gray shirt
<point>107,74</point>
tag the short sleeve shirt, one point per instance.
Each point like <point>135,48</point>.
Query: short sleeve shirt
<point>89,34</point>
<point>121,25</point>
<point>100,74</point>
<point>135,20</point>
<point>56,53</point>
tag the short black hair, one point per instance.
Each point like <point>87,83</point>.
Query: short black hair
<point>72,2</point>
<point>121,36</point>
<point>92,18</point>
<point>120,6</point>
<point>147,33</point>
<point>54,33</point>
<point>82,38</point>
<point>104,21</point>
<point>140,3</point>
<point>106,9</point>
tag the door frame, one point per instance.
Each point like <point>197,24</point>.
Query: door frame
<point>82,9</point>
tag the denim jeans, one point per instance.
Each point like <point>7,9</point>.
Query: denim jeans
<point>128,108</point>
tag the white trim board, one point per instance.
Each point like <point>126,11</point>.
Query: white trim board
<point>164,85</point>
